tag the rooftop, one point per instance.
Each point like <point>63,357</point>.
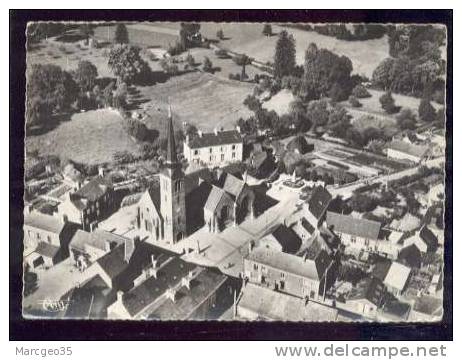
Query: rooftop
<point>215,139</point>
<point>44,222</point>
<point>312,269</point>
<point>319,201</point>
<point>397,276</point>
<point>370,289</point>
<point>273,305</point>
<point>46,250</point>
<point>97,239</point>
<point>407,148</point>
<point>288,239</point>
<point>94,189</point>
<point>346,224</point>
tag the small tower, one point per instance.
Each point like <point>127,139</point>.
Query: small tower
<point>172,191</point>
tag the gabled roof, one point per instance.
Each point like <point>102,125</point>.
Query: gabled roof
<point>47,250</point>
<point>212,139</point>
<point>45,222</point>
<point>288,239</point>
<point>94,189</point>
<point>407,148</point>
<point>410,256</point>
<point>96,239</point>
<point>428,237</point>
<point>312,269</point>
<point>370,288</point>
<point>319,201</point>
<point>233,185</point>
<point>346,224</point>
<point>397,276</point>
<point>154,194</point>
<point>215,196</point>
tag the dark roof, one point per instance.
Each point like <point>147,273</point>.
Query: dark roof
<point>410,256</point>
<point>258,158</point>
<point>154,194</point>
<point>44,222</point>
<point>396,309</point>
<point>308,227</point>
<point>212,139</point>
<point>170,274</point>
<point>114,264</point>
<point>171,147</point>
<point>232,185</point>
<point>371,289</point>
<point>93,190</point>
<point>288,239</point>
<point>428,305</point>
<point>429,238</point>
<point>346,224</point>
<point>214,198</point>
<point>319,201</point>
<point>47,250</point>
<point>380,270</point>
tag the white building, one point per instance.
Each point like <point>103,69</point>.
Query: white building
<point>214,149</point>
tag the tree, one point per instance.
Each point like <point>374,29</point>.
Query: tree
<point>207,65</point>
<point>317,112</point>
<point>220,34</point>
<point>85,75</point>
<point>120,96</point>
<point>37,112</point>
<point>243,61</point>
<point>108,94</point>
<point>406,119</point>
<point>427,112</point>
<point>284,56</point>
<point>191,130</point>
<point>354,101</point>
<point>126,63</point>
<point>362,203</point>
<point>252,103</point>
<point>86,29</point>
<point>121,34</point>
<point>189,33</point>
<point>190,60</point>
<point>388,103</point>
<point>267,30</point>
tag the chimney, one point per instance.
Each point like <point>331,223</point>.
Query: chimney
<point>199,132</point>
<point>120,295</point>
<point>171,294</point>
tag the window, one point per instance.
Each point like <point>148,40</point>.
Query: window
<point>234,147</point>
<point>234,155</point>
<point>255,266</point>
<point>282,284</point>
<point>222,157</point>
<point>283,275</point>
<point>196,152</point>
<point>38,236</point>
<point>28,233</point>
<point>210,150</point>
<point>312,294</point>
<point>49,238</point>
<point>221,148</point>
<point>353,239</point>
<point>210,158</point>
<point>366,242</point>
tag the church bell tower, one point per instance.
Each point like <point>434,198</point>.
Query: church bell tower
<point>172,191</point>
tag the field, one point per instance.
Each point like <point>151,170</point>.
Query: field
<point>197,98</point>
<point>91,137</point>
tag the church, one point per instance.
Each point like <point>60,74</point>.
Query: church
<point>179,204</point>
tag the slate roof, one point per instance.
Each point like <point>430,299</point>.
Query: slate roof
<point>44,222</point>
<point>233,185</point>
<point>97,239</point>
<point>210,139</point>
<point>291,263</point>
<point>371,289</point>
<point>410,256</point>
<point>319,201</point>
<point>47,250</point>
<point>94,189</point>
<point>170,274</point>
<point>214,198</point>
<point>346,224</point>
<point>411,149</point>
<point>288,239</point>
<point>381,269</point>
<point>154,194</point>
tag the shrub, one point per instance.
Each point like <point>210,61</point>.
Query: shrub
<point>207,65</point>
<point>123,157</point>
<point>388,103</point>
<point>220,34</point>
<point>427,112</point>
<point>221,54</point>
<point>361,92</point>
<point>354,101</point>
<point>137,129</point>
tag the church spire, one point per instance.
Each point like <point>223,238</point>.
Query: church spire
<point>171,147</point>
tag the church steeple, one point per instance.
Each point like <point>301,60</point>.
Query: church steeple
<point>171,146</point>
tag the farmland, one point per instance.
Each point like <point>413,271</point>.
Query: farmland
<point>91,138</point>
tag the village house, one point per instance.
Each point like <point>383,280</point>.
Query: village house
<point>46,238</point>
<point>87,247</point>
<point>395,276</point>
<point>282,239</point>
<point>291,274</point>
<point>425,240</point>
<point>260,303</point>
<point>361,234</point>
<point>167,210</point>
<point>89,204</point>
<point>365,298</point>
<point>174,290</point>
<point>402,150</point>
<point>316,206</point>
<point>217,148</point>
